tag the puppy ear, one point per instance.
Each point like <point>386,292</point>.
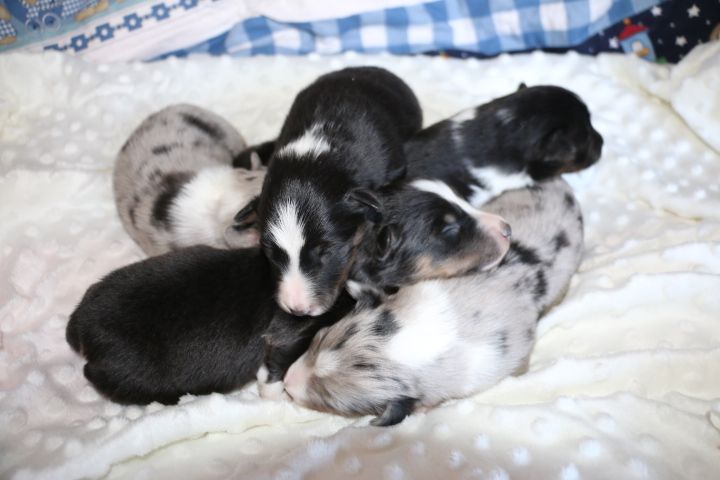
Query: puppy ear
<point>246,217</point>
<point>364,201</point>
<point>387,241</point>
<point>395,412</point>
<point>522,86</point>
<point>242,236</point>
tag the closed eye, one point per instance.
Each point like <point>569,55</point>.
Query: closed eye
<point>278,256</point>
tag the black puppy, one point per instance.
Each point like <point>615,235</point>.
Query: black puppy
<point>342,139</point>
<point>197,320</point>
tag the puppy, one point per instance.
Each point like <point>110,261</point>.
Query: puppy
<point>511,142</point>
<point>454,167</point>
<point>192,321</point>
<point>342,139</point>
<point>174,184</point>
<point>444,339</point>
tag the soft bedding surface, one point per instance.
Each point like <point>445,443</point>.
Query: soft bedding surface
<point>624,381</point>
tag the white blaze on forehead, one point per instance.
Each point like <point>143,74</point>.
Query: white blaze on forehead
<point>286,231</point>
<point>311,142</point>
<point>443,190</point>
<point>428,326</point>
<point>496,182</point>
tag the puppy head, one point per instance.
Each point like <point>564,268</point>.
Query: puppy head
<point>428,232</point>
<point>343,372</point>
<point>310,240</point>
<point>552,126</point>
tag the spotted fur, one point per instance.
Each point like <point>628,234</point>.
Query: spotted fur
<point>174,184</point>
<point>453,337</point>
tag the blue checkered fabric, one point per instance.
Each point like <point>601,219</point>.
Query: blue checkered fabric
<point>485,27</point>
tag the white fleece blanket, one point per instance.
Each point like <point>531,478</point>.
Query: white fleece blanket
<point>624,381</point>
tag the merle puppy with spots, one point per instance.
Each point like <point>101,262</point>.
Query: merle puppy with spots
<point>174,184</point>
<point>451,338</point>
<point>192,321</point>
<point>342,139</point>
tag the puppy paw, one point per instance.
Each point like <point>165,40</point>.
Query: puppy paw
<point>270,391</point>
<point>273,391</point>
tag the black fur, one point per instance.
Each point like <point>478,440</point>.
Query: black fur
<point>543,131</point>
<point>171,185</point>
<point>263,150</point>
<point>385,325</point>
<point>196,321</point>
<point>395,412</point>
<point>364,114</point>
<point>211,130</point>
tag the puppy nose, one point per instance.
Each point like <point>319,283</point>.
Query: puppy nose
<point>496,224</point>
<point>505,229</point>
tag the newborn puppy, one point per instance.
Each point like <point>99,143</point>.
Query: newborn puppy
<point>175,186</point>
<point>511,142</point>
<point>193,321</point>
<point>342,139</point>
<point>444,339</point>
<point>427,232</point>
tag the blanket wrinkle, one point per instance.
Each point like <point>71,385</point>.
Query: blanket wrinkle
<point>624,381</point>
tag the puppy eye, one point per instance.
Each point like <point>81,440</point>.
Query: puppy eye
<point>277,255</point>
<point>451,225</point>
<point>319,253</point>
<point>391,289</point>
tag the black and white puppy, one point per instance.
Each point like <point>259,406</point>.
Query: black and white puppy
<point>192,321</point>
<point>174,184</point>
<point>451,338</point>
<point>533,134</point>
<point>342,139</point>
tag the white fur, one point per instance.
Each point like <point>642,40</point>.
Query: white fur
<point>206,205</point>
<point>427,327</point>
<point>286,230</point>
<point>498,182</point>
<point>311,142</point>
<point>269,391</point>
<point>354,288</point>
<point>327,363</point>
<point>457,122</point>
<point>444,191</point>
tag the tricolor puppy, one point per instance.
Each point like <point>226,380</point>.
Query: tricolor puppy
<point>428,232</point>
<point>175,186</point>
<point>192,321</point>
<point>533,134</point>
<point>444,339</point>
<point>342,139</point>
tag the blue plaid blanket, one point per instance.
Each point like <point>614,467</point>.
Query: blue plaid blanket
<point>111,30</point>
<point>484,27</point>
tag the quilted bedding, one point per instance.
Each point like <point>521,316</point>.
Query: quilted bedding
<point>625,378</point>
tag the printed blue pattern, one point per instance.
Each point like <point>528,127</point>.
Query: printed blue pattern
<point>130,22</point>
<point>483,27</point>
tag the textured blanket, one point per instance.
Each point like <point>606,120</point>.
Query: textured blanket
<point>624,381</point>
